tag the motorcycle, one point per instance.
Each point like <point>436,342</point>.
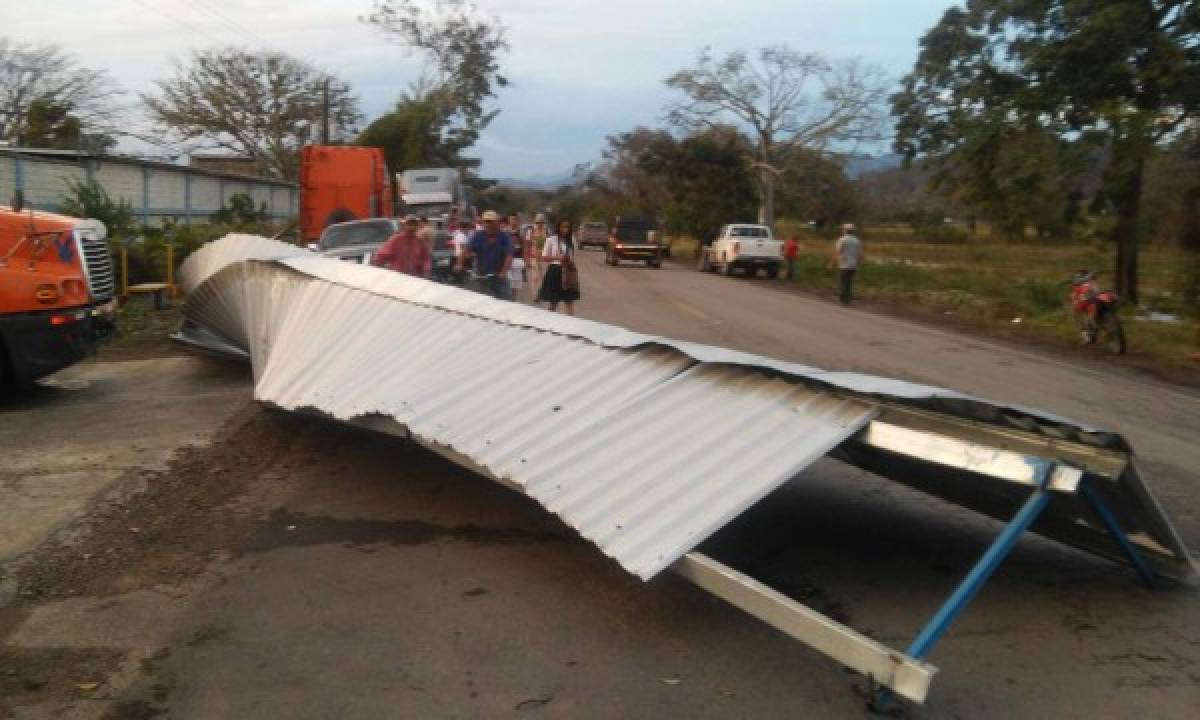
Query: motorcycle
<point>1095,312</point>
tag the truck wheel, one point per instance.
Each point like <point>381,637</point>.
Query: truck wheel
<point>704,265</point>
<point>727,269</point>
<point>654,263</point>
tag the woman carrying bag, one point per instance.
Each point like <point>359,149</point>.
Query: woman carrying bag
<point>560,281</point>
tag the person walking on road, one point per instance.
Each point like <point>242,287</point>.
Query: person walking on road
<point>406,252</point>
<point>535,239</point>
<point>560,280</point>
<point>847,253</point>
<point>791,249</point>
<point>492,251</point>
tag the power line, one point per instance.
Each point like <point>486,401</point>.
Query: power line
<point>229,22</point>
<point>179,21</point>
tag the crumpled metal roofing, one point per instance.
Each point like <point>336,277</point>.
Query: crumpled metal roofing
<point>642,451</point>
<point>235,248</point>
<point>645,445</point>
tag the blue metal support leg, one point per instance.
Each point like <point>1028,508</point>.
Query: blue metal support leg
<point>973,582</point>
<point>1109,519</point>
<point>979,574</point>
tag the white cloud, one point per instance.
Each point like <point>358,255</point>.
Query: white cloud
<point>581,69</point>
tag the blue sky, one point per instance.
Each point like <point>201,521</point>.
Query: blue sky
<point>580,70</point>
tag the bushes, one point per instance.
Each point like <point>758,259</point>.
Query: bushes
<point>147,253</point>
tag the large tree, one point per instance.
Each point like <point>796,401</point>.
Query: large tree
<point>53,125</point>
<point>461,48</point>
<point>34,75</point>
<point>706,176</point>
<point>413,134</point>
<point>261,104</point>
<point>781,100</point>
<point>1123,74</point>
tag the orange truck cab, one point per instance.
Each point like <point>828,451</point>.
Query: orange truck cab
<point>57,293</point>
<point>339,183</point>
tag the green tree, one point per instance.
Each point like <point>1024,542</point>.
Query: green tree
<point>462,48</point>
<point>412,136</point>
<point>54,125</point>
<point>814,187</point>
<point>1123,74</point>
<point>707,179</point>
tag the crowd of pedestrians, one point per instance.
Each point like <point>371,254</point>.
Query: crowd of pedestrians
<point>504,258</point>
<point>497,258</point>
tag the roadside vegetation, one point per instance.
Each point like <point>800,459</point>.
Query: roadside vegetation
<point>1010,290</point>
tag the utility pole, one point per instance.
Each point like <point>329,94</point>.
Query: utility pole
<point>325,112</point>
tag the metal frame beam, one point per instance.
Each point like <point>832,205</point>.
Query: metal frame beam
<point>907,676</point>
<point>1109,519</point>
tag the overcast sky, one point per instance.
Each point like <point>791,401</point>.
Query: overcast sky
<point>580,69</point>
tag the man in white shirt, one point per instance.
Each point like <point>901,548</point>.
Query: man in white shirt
<point>847,253</point>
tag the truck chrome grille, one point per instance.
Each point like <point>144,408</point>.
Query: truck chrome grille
<point>97,265</point>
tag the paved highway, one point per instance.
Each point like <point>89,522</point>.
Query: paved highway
<point>280,566</point>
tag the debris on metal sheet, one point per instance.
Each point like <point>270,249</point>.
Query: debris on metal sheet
<point>378,349</point>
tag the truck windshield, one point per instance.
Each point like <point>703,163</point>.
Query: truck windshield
<point>752,232</point>
<point>371,232</point>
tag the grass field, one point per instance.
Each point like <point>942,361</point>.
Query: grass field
<point>1012,290</point>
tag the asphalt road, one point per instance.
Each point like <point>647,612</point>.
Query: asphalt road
<point>280,566</point>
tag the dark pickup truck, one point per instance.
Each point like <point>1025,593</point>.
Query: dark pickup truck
<point>634,239</point>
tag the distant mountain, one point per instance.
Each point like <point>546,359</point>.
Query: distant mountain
<point>539,182</point>
<point>858,165</point>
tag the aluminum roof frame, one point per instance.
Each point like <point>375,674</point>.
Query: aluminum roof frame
<point>284,308</point>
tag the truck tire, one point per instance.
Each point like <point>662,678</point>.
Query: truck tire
<point>8,380</point>
<point>654,263</point>
<point>704,265</point>
<point>727,269</point>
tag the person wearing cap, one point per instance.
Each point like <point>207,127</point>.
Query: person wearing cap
<point>847,254</point>
<point>406,251</point>
<point>492,251</point>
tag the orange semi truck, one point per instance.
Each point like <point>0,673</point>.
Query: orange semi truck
<point>57,293</point>
<point>340,183</point>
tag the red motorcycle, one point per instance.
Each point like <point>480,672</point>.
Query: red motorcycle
<point>1095,312</point>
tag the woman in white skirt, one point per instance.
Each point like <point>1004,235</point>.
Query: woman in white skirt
<point>558,248</point>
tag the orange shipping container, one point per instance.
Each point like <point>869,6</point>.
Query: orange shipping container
<point>340,183</point>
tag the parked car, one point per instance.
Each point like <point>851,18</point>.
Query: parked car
<point>356,241</point>
<point>634,239</point>
<point>742,246</point>
<point>593,233</point>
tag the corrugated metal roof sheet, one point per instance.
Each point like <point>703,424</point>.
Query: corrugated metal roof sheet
<point>644,444</point>
<point>413,290</point>
<point>606,438</point>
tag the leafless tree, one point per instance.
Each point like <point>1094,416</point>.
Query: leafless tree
<point>781,100</point>
<point>261,104</point>
<point>32,72</point>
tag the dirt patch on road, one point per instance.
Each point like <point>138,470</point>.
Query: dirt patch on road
<point>162,527</point>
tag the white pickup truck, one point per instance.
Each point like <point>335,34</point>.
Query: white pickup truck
<point>749,247</point>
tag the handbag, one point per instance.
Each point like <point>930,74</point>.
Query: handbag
<point>570,271</point>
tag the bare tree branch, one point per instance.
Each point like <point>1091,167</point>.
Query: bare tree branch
<point>265,105</point>
<point>784,100</point>
<point>32,72</point>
